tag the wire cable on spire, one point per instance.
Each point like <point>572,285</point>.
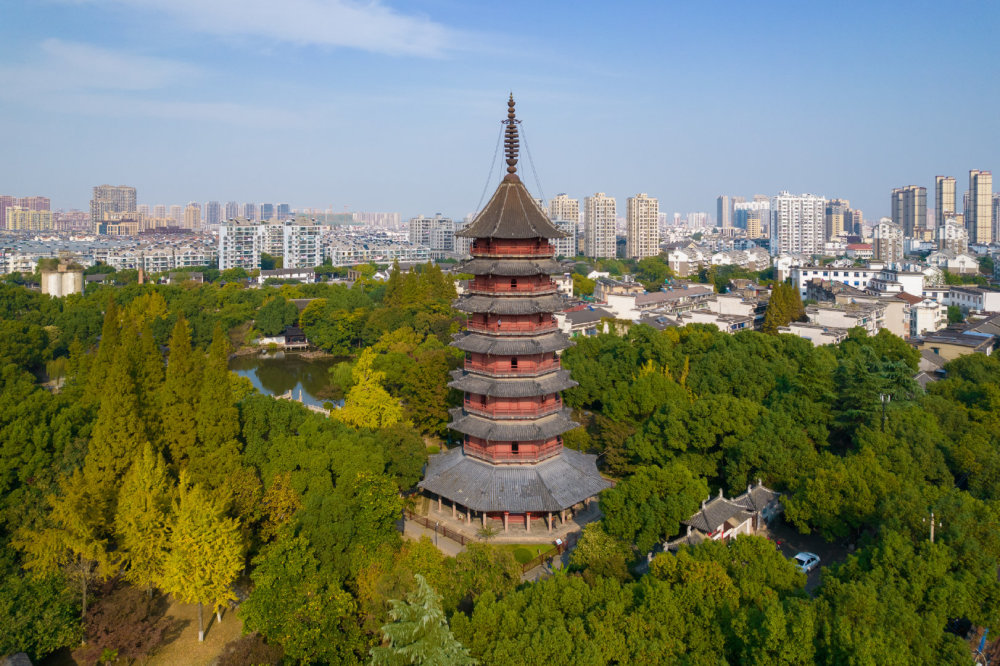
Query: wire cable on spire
<point>489,177</point>
<point>531,162</point>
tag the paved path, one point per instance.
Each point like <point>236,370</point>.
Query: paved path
<point>412,530</point>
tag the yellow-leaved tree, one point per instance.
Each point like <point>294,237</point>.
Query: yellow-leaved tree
<point>206,552</point>
<point>142,523</point>
<point>368,404</point>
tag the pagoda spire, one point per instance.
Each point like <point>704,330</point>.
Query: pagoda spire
<point>510,142</point>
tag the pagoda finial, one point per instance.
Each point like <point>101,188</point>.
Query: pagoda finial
<point>510,142</point>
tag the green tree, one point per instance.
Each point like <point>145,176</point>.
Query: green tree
<point>275,315</point>
<point>142,522</point>
<point>38,615</point>
<point>368,404</point>
<point>179,398</point>
<point>599,554</point>
<point>106,351</point>
<point>296,604</point>
<point>784,307</point>
<point>419,633</point>
<point>216,454</point>
<point>206,554</point>
<point>648,506</point>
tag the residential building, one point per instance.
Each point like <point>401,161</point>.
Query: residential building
<point>952,236</point>
<point>754,216</point>
<point>599,226</point>
<point>561,207</point>
<point>232,211</point>
<point>266,212</point>
<point>944,199</point>
<point>240,243</point>
<point>159,211</point>
<point>284,211</point>
<point>213,212</point>
<point>250,212</point>
<point>961,263</point>
<point>723,212</point>
<point>797,224</point>
<point>110,199</point>
<point>817,334</point>
<point>436,233</point>
<point>192,216</point>
<point>909,208</point>
<point>302,247</point>
<point>26,219</point>
<point>642,237</point>
<point>979,209</point>
<point>868,316</point>
<point>177,215</point>
<point>836,218</point>
<point>675,299</point>
<point>565,247</point>
<point>857,222</point>
<point>273,238</point>
<point>888,242</point>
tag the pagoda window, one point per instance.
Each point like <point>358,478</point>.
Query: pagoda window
<point>482,400</point>
<point>514,448</point>
<point>513,283</point>
<point>513,363</point>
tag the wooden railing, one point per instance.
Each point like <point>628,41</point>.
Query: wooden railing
<point>515,328</point>
<point>437,527</point>
<point>524,369</point>
<point>511,250</point>
<point>536,411</point>
<point>497,287</point>
<point>506,456</point>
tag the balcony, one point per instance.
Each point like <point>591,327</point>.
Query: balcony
<point>511,250</point>
<point>527,454</point>
<point>503,412</point>
<point>523,369</point>
<point>504,288</point>
<point>514,327</point>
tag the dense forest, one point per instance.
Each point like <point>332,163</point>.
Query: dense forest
<point>134,465</point>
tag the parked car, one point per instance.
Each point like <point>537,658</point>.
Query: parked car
<point>806,562</point>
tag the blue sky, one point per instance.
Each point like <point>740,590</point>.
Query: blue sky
<point>396,106</point>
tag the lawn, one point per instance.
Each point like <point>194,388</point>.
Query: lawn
<point>525,552</point>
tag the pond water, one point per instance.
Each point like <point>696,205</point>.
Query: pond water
<point>280,372</point>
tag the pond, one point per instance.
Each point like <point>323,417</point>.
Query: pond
<point>280,372</point>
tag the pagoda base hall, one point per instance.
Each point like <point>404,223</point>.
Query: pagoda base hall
<point>512,473</point>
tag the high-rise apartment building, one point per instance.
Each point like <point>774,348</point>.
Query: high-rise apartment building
<point>944,199</point>
<point>797,224</point>
<point>192,216</point>
<point>887,240</point>
<point>754,216</point>
<point>250,212</point>
<point>302,247</point>
<point>284,211</point>
<point>723,213</point>
<point>565,247</point>
<point>836,218</point>
<point>177,215</point>
<point>642,236</point>
<point>909,209</point>
<point>566,210</point>
<point>159,211</point>
<point>240,243</point>
<point>857,221</point>
<point>436,233</point>
<point>996,217</point>
<point>232,210</point>
<point>213,212</point>
<point>110,199</point>
<point>599,226</point>
<point>979,210</point>
<point>6,201</point>
<point>266,212</point>
<point>35,203</point>
<point>563,208</point>
<point>25,219</point>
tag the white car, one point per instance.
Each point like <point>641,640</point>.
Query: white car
<point>806,562</point>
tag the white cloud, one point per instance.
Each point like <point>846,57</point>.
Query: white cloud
<point>65,66</point>
<point>368,26</point>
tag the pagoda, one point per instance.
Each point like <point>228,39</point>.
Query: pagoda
<point>512,464</point>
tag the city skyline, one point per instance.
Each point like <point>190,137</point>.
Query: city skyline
<point>167,97</point>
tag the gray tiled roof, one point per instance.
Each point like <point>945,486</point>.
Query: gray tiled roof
<point>511,213</point>
<point>716,512</point>
<point>551,485</point>
<point>558,380</point>
<point>506,431</point>
<point>487,344</point>
<point>513,267</point>
<point>756,498</point>
<point>509,306</point>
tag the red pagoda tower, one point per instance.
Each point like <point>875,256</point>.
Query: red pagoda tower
<point>512,463</point>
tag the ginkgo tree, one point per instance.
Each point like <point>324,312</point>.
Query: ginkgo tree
<point>206,553</point>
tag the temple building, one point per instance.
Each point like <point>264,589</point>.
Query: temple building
<point>512,465</point>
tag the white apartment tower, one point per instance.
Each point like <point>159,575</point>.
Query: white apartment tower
<point>797,224</point>
<point>642,237</point>
<point>952,236</point>
<point>562,208</point>
<point>436,233</point>
<point>240,243</point>
<point>302,247</point>
<point>599,226</point>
